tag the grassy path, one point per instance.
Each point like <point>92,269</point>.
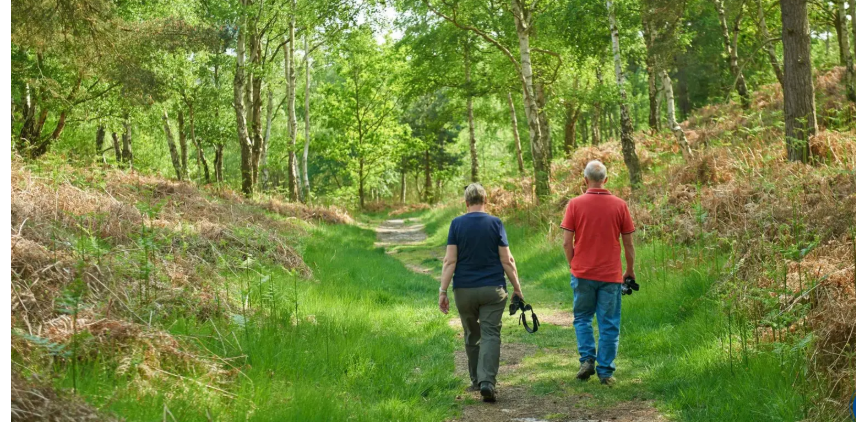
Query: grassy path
<point>523,360</point>
<point>679,358</point>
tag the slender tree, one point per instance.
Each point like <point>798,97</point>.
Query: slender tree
<point>800,119</point>
<point>628,145</point>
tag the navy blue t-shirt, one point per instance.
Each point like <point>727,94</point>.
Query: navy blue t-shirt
<point>478,236</point>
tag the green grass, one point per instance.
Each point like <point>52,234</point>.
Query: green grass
<point>674,344</point>
<point>366,342</point>
<point>368,345</point>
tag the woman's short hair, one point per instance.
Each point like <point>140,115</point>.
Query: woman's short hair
<point>475,194</point>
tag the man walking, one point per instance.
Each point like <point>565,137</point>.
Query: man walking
<point>593,223</point>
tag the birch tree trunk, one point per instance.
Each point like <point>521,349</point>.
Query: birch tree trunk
<point>628,145</point>
<point>686,151</point>
<point>539,153</point>
<point>474,155</point>
<point>127,151</point>
<point>266,139</point>
<point>429,196</point>
<point>173,151</point>
<point>844,45</point>
<point>651,69</point>
<point>769,47</point>
<point>731,49</point>
<point>403,176</point>
<point>290,77</point>
<point>800,118</point>
<point>243,136</point>
<point>182,143</point>
<point>519,153</point>
<point>544,123</point>
<point>306,121</point>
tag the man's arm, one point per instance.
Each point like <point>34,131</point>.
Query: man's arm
<point>510,268</point>
<point>629,254</point>
<point>568,245</point>
<point>450,261</point>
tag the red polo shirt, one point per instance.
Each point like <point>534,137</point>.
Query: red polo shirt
<point>597,219</point>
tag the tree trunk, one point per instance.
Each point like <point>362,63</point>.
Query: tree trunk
<point>306,121</point>
<point>628,145</point>
<point>522,22</point>
<point>596,110</point>
<point>844,47</point>
<point>731,50</point>
<point>402,197</point>
<point>686,151</point>
<point>99,142</point>
<point>429,196</point>
<point>585,130</point>
<point>519,153</point>
<point>218,163</point>
<point>264,148</point>
<point>572,113</point>
<point>651,69</point>
<point>544,123</point>
<point>684,103</point>
<point>769,47</point>
<point>117,148</point>
<point>800,119</point>
<point>474,155</point>
<point>256,112</point>
<point>182,143</point>
<point>243,137</point>
<point>201,162</point>
<point>291,81</point>
<point>362,184</point>
<point>173,151</point>
<point>127,151</point>
<point>853,24</point>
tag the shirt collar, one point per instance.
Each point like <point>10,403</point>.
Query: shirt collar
<point>597,191</point>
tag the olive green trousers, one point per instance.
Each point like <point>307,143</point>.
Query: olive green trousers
<point>481,311</point>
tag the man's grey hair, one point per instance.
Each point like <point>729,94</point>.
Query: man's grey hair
<point>595,171</point>
<point>475,194</point>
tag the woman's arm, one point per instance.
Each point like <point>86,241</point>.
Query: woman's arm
<point>510,268</point>
<point>450,261</point>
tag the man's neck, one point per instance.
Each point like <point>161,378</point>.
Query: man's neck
<point>593,186</point>
<point>475,208</point>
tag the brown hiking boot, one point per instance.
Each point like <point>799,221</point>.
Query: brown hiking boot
<point>586,370</point>
<point>608,381</point>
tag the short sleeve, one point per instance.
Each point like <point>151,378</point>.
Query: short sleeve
<point>627,226</point>
<point>503,237</point>
<point>568,222</point>
<point>453,237</point>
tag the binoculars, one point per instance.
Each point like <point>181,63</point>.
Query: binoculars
<point>630,285</point>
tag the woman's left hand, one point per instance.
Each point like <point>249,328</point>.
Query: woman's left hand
<point>444,303</point>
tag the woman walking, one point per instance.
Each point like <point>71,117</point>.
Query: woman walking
<point>478,259</point>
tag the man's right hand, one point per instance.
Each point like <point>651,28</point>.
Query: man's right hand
<point>518,293</point>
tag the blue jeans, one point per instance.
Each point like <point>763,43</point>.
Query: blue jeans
<point>604,300</point>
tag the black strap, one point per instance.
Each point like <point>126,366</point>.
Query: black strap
<point>535,323</point>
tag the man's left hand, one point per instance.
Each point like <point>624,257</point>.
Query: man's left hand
<point>444,303</point>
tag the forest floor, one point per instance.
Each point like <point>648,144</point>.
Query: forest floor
<point>520,363</point>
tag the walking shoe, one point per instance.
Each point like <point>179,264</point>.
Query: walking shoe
<point>586,370</point>
<point>487,392</point>
<point>608,381</point>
